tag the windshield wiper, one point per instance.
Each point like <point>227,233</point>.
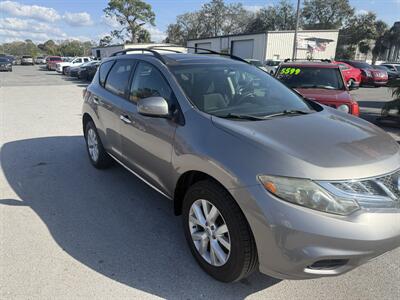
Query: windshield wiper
<point>242,117</point>
<point>316,86</point>
<point>287,112</point>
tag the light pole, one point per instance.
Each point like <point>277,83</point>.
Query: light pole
<point>294,54</point>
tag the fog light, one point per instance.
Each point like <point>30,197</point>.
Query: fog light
<point>343,108</point>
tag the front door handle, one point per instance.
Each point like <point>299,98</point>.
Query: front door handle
<point>96,100</point>
<point>125,119</point>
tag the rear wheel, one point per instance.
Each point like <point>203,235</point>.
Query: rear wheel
<point>97,154</point>
<point>217,232</point>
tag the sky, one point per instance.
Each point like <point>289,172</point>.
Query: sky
<point>41,20</point>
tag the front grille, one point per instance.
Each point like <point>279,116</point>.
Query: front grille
<point>386,186</point>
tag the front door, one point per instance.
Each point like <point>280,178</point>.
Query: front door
<point>147,142</point>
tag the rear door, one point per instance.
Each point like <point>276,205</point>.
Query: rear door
<point>147,141</point>
<point>114,78</point>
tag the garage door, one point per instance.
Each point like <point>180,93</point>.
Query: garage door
<point>243,49</point>
<point>202,45</point>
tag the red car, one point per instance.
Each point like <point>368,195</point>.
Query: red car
<point>52,61</point>
<point>369,75</point>
<point>351,75</point>
<point>319,81</point>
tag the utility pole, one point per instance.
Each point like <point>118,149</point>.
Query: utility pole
<point>294,55</point>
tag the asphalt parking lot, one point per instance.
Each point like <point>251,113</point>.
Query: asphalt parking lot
<point>70,231</point>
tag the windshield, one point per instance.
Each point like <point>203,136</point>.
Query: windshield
<point>226,89</point>
<point>311,77</point>
<point>2,59</point>
<point>55,58</point>
<point>360,65</point>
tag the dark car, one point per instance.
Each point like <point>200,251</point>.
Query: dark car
<point>5,64</point>
<point>369,75</point>
<point>88,71</point>
<point>319,81</point>
<point>393,74</point>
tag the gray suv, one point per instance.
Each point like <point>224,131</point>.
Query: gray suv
<point>263,178</point>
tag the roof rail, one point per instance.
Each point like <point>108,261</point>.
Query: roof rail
<point>155,53</point>
<point>202,49</point>
<point>153,49</point>
<point>309,59</point>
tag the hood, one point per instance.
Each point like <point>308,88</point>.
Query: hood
<point>325,145</point>
<point>325,95</point>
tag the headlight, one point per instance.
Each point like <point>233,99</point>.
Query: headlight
<point>306,193</point>
<point>343,108</point>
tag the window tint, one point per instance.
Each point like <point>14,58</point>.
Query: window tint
<point>118,79</point>
<point>149,82</point>
<point>86,59</point>
<point>104,69</point>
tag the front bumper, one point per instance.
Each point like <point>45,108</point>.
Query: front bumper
<point>5,68</point>
<point>294,242</point>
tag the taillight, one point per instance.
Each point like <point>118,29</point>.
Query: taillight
<point>355,109</point>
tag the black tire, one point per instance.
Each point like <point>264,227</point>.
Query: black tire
<point>104,160</point>
<point>243,258</point>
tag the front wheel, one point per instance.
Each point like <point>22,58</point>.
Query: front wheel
<point>217,232</point>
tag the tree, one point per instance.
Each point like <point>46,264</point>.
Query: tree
<point>105,41</point>
<point>326,14</point>
<point>144,36</point>
<point>132,15</point>
<point>279,17</point>
<point>359,31</point>
<point>213,19</point>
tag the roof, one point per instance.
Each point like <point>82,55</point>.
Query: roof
<point>187,58</point>
<point>311,64</point>
<point>262,32</point>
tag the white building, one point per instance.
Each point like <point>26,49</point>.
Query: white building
<point>106,51</point>
<point>275,45</point>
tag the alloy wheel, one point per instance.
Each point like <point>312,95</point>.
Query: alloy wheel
<point>92,144</point>
<point>209,232</point>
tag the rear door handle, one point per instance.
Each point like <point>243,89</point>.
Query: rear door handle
<point>125,119</point>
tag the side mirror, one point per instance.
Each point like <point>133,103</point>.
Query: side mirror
<point>353,86</point>
<point>153,107</point>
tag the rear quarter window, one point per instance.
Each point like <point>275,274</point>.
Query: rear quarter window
<point>104,70</point>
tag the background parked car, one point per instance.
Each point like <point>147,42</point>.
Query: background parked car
<point>76,62</point>
<point>27,60</point>
<point>369,75</point>
<point>392,75</point>
<point>5,64</point>
<point>40,60</point>
<point>351,74</point>
<point>395,67</point>
<point>88,70</point>
<point>319,81</point>
<point>257,63</point>
<point>272,65</point>
<point>52,61</point>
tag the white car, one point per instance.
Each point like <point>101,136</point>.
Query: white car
<point>40,60</point>
<point>76,62</point>
<point>27,60</point>
<point>257,63</point>
<point>272,65</point>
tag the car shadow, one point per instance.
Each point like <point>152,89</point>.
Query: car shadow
<point>110,221</point>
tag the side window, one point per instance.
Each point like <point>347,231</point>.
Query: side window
<point>149,82</point>
<point>104,69</point>
<point>86,59</point>
<point>118,79</point>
